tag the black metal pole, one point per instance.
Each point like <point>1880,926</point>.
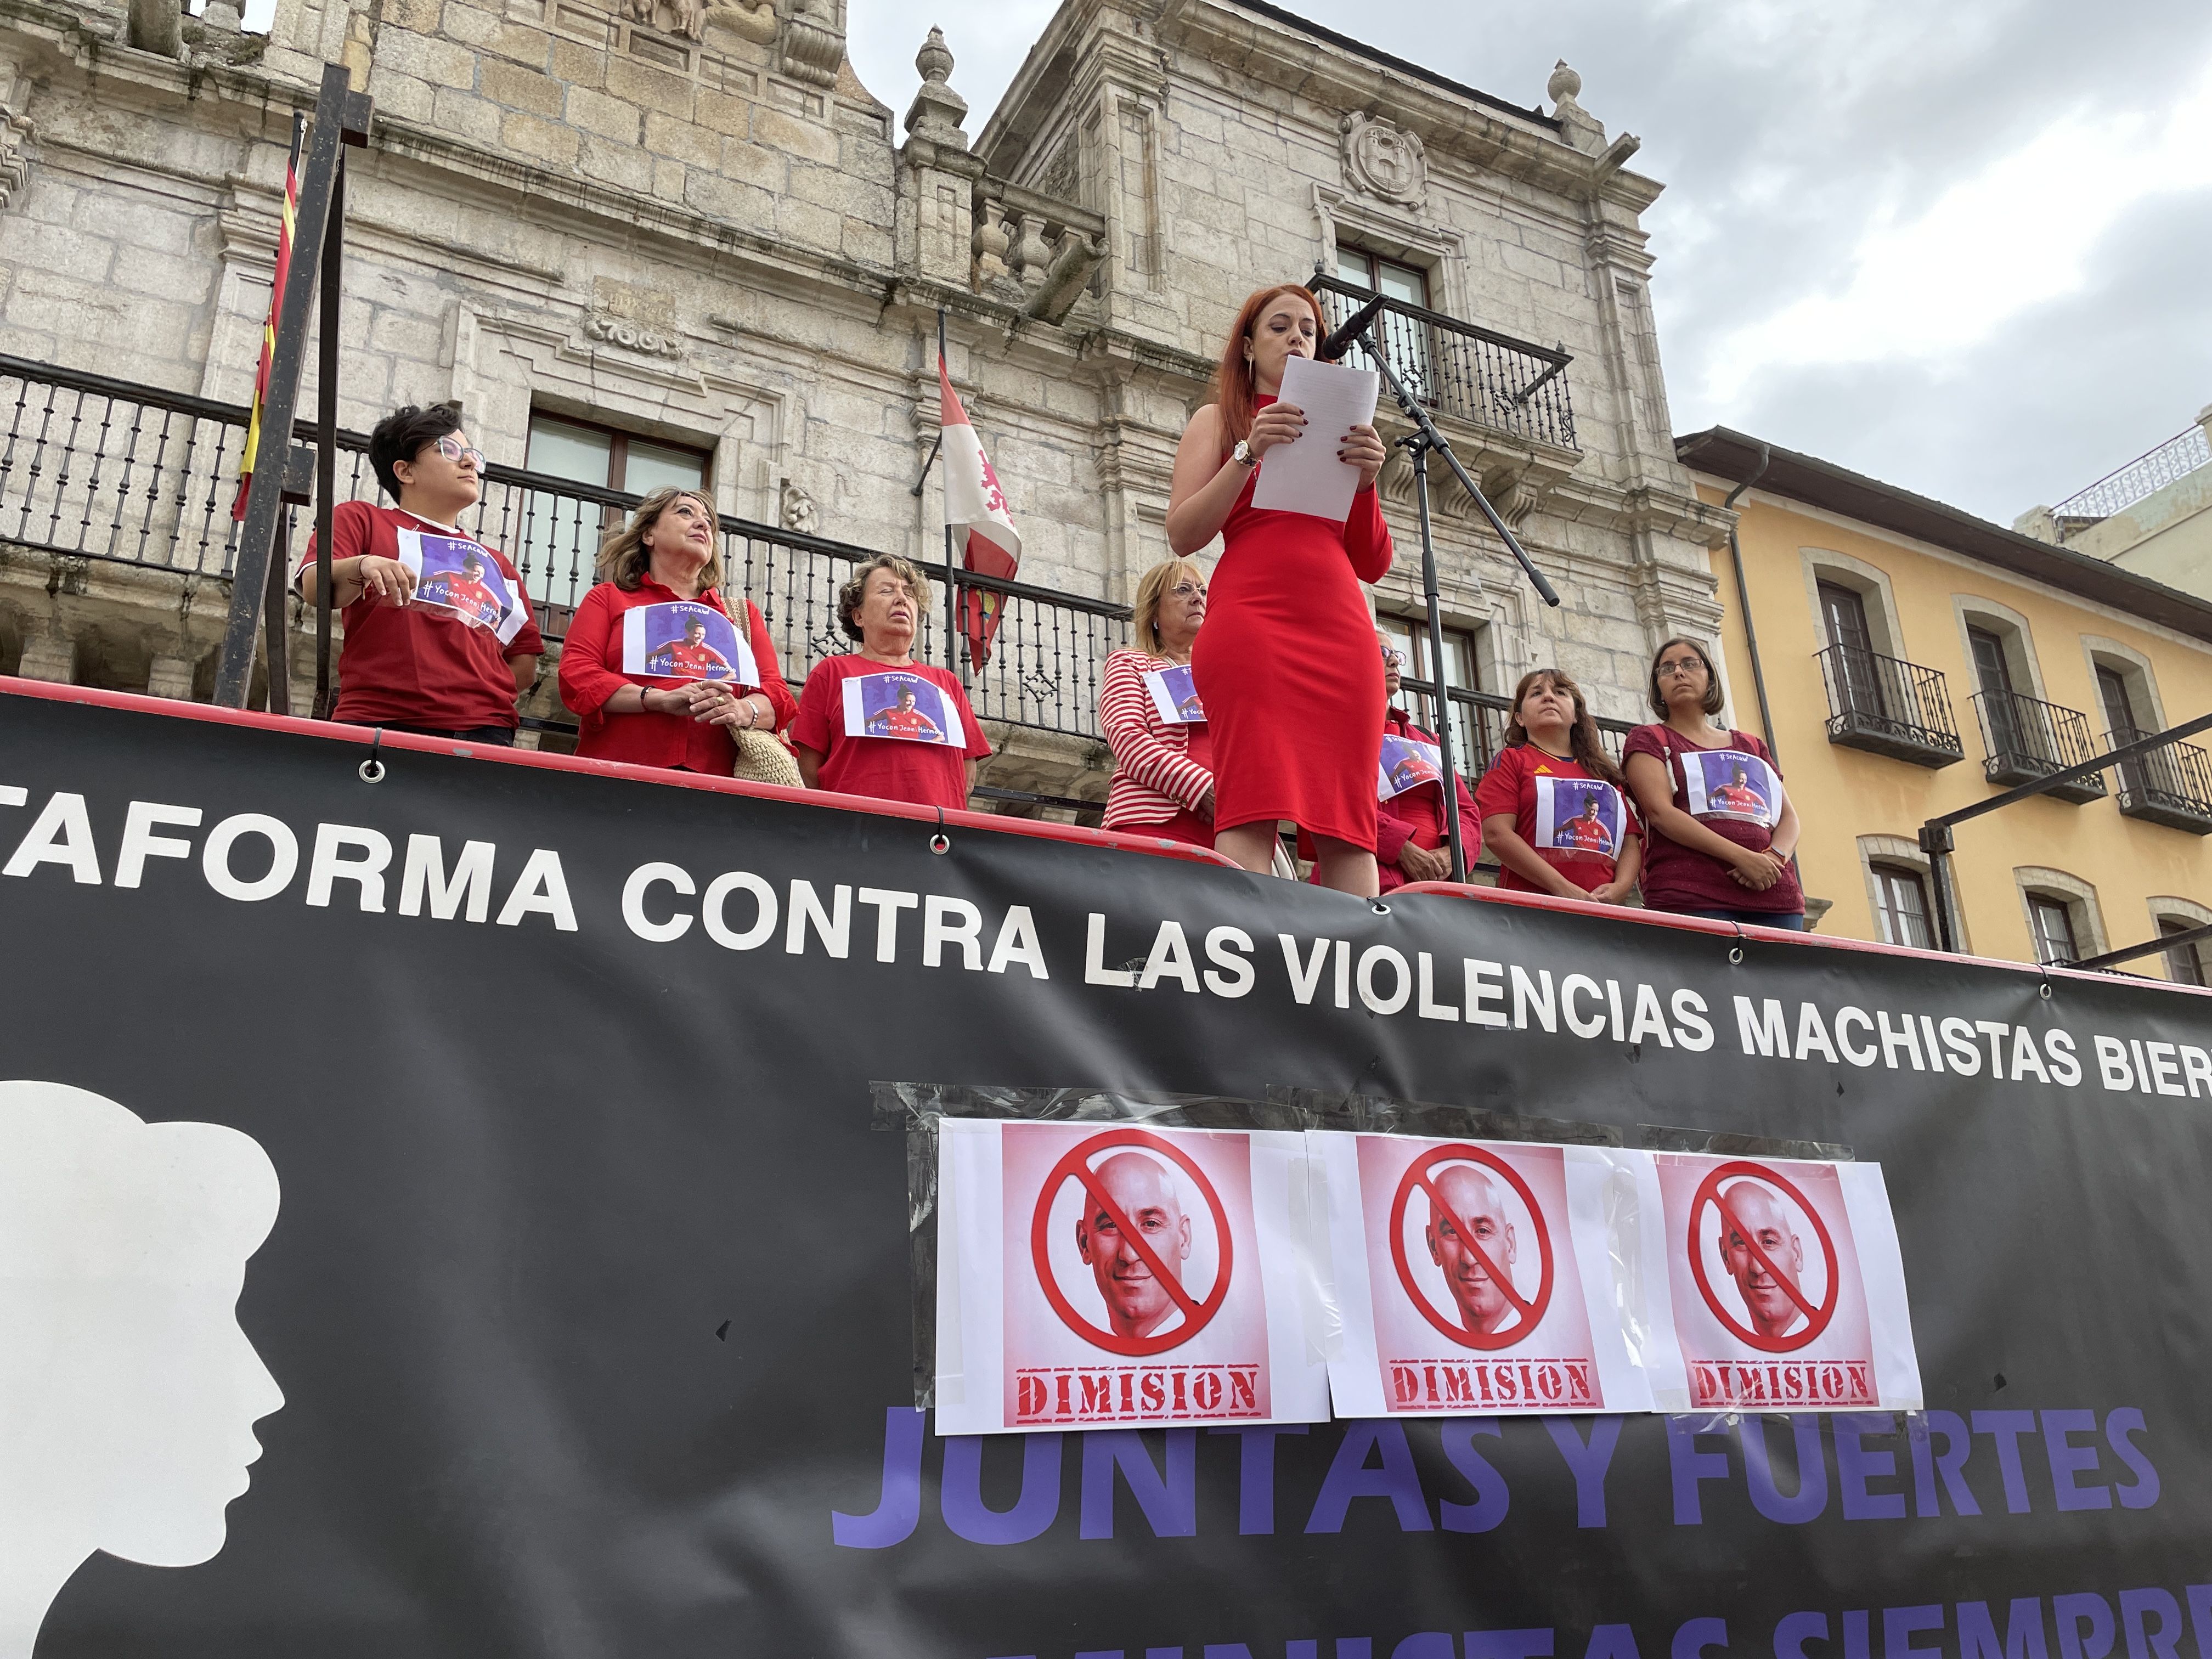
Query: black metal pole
<point>331,286</point>
<point>276,636</point>
<point>1743,608</point>
<point>1936,841</point>
<point>1419,446</point>
<point>263,496</point>
<point>2163,942</point>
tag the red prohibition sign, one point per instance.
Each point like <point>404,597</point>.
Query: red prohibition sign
<point>1417,1175</point>
<point>1816,1318</point>
<point>1076,1165</point>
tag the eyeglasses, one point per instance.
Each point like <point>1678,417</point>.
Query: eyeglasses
<point>458,453</point>
<point>1682,666</point>
<point>1188,590</point>
<point>1394,657</point>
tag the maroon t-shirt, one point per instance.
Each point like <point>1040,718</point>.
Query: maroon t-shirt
<point>1735,791</point>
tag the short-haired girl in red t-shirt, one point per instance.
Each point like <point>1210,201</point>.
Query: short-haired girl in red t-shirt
<point>1554,806</point>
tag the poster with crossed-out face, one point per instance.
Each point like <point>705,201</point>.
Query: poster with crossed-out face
<point>1472,1277</point>
<point>1099,1274</point>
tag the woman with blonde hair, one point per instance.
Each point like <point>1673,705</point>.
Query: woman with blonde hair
<point>1286,666</point>
<point>1152,717</point>
<point>658,668</point>
<point>875,721</point>
<point>1555,807</point>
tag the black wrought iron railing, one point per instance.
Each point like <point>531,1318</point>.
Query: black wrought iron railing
<point>2171,785</point>
<point>1889,707</point>
<point>2025,738</point>
<point>1460,370</point>
<point>107,469</point>
<point>1478,723</point>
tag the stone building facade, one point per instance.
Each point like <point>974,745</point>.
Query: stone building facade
<point>689,223</point>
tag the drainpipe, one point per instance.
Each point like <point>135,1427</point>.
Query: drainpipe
<point>1743,604</point>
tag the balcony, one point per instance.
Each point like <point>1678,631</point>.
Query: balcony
<point>1889,707</point>
<point>2027,738</point>
<point>103,472</point>
<point>2172,786</point>
<point>1463,372</point>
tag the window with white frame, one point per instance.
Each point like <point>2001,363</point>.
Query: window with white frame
<point>1901,906</point>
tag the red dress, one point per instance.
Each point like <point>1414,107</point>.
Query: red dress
<point>1289,670</point>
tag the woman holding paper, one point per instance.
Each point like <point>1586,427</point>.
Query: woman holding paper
<point>644,690</point>
<point>1286,665</point>
<point>1163,745</point>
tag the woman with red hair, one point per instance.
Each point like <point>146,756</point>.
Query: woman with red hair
<point>1286,664</point>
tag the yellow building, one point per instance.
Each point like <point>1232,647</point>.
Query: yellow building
<point>1916,660</point>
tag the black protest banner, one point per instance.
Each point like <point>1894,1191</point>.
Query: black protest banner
<point>588,1295</point>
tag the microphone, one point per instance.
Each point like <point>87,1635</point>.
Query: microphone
<point>1340,340</point>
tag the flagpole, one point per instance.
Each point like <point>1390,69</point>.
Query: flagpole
<point>954,658</point>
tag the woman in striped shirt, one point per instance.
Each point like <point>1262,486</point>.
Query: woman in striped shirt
<point>1164,764</point>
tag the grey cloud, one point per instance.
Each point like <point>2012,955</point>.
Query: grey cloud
<point>1783,132</point>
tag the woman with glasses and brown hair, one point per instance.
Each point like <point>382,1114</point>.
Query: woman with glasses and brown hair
<point>659,668</point>
<point>439,637</point>
<point>1153,718</point>
<point>1554,806</point>
<point>1721,826</point>
<point>1286,664</point>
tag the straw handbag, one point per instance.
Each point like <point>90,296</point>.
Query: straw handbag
<point>760,758</point>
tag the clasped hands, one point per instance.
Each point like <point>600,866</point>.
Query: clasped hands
<point>1758,871</point>
<point>708,701</point>
<point>1282,424</point>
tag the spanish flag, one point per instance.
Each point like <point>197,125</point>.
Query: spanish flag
<point>245,460</point>
<point>976,513</point>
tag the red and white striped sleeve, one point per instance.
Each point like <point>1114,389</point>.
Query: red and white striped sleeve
<point>1133,731</point>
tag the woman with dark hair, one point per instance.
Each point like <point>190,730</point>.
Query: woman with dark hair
<point>875,721</point>
<point>1554,808</point>
<point>449,660</point>
<point>1163,755</point>
<point>1286,665</point>
<point>643,689</point>
<point>1723,828</point>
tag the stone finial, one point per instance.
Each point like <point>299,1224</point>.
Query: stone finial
<point>936,110</point>
<point>813,43</point>
<point>1577,125</point>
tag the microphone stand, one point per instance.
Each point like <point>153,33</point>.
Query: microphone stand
<point>1418,443</point>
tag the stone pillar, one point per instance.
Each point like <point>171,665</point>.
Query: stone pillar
<point>937,176</point>
<point>171,677</point>
<point>48,657</point>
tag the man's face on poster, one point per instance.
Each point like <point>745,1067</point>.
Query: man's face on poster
<point>1137,1303</point>
<point>1758,1211</point>
<point>1483,1304</point>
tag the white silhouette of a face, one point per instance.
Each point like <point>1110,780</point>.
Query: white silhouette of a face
<point>128,1393</point>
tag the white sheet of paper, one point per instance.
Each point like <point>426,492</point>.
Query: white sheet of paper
<point>1305,476</point>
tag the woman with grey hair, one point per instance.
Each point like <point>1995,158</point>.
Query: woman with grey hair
<point>877,722</point>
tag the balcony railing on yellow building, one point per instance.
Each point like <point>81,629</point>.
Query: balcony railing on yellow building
<point>2172,786</point>
<point>2025,738</point>
<point>1889,707</point>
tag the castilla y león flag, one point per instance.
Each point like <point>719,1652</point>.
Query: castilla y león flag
<point>975,514</point>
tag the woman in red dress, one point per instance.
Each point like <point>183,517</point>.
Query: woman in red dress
<point>1286,664</point>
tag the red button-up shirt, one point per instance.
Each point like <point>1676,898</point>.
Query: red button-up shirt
<point>591,672</point>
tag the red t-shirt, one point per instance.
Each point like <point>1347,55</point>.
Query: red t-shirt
<point>889,768</point>
<point>417,665</point>
<point>591,672</point>
<point>1679,878</point>
<point>1588,857</point>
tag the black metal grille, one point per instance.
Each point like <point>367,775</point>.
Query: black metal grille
<point>1889,707</point>
<point>2027,738</point>
<point>103,469</point>
<point>1462,371</point>
<point>1479,722</point>
<point>2172,786</point>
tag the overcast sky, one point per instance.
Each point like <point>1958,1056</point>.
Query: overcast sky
<point>1964,247</point>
